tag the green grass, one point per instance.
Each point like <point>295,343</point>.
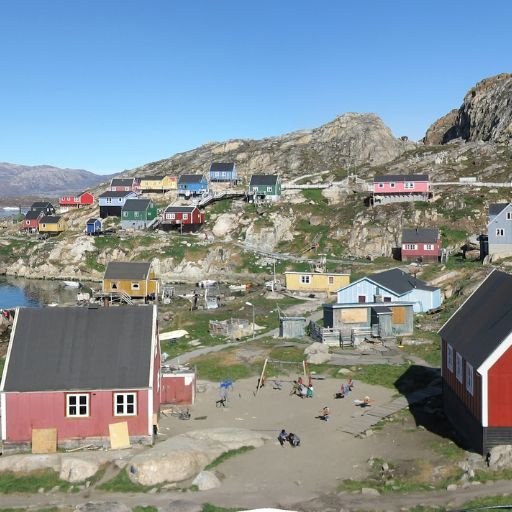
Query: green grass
<point>448,449</point>
<point>31,482</point>
<point>144,509</point>
<point>228,455</point>
<point>379,374</point>
<point>488,501</point>
<point>216,367</point>
<point>122,483</point>
<point>208,507</point>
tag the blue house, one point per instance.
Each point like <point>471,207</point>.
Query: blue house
<point>223,171</point>
<point>93,226</point>
<point>112,202</point>
<point>192,185</point>
<point>393,285</point>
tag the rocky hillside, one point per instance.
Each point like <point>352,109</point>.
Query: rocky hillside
<point>45,180</point>
<point>485,115</point>
<point>351,140</point>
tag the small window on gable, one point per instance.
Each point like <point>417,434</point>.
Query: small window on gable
<point>509,215</point>
<point>449,357</point>
<point>500,232</point>
<point>469,378</point>
<point>458,367</point>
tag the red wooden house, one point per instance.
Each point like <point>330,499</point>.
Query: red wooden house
<point>395,188</point>
<point>476,365</point>
<point>189,217</point>
<point>79,370</point>
<point>31,221</point>
<point>421,245</point>
<point>78,200</point>
<point>125,185</point>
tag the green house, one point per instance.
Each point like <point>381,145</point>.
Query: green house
<point>138,214</point>
<point>265,187</point>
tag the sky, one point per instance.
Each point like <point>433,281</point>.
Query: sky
<point>108,85</point>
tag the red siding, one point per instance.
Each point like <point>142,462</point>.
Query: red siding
<point>413,254</point>
<point>195,217</point>
<point>25,411</point>
<point>500,391</point>
<point>84,200</point>
<point>176,391</point>
<point>156,377</point>
<point>31,224</point>
<point>473,402</point>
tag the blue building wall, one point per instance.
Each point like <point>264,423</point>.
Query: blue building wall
<point>193,188</point>
<point>93,227</point>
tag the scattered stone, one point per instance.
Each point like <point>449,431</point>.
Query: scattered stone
<point>451,487</point>
<point>181,506</point>
<point>369,491</point>
<point>107,506</point>
<point>500,457</point>
<point>345,371</point>
<point>74,469</point>
<point>206,480</point>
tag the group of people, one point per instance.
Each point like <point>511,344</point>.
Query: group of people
<point>291,438</point>
<point>301,389</point>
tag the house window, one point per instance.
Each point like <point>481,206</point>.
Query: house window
<point>125,214</point>
<point>381,185</point>
<point>269,189</point>
<point>171,216</point>
<point>409,185</point>
<point>305,279</point>
<point>410,247</point>
<point>331,279</point>
<point>136,214</point>
<point>135,286</point>
<point>429,247</point>
<point>391,185</point>
<point>361,299</point>
<point>469,378</point>
<point>509,215</point>
<point>185,216</point>
<point>500,232</point>
<point>108,200</point>
<point>458,367</point>
<point>387,299</point>
<point>125,404</point>
<point>77,405</point>
<point>449,357</point>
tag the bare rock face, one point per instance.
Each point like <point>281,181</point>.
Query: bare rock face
<point>485,115</point>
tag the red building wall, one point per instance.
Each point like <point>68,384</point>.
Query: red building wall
<point>500,391</point>
<point>176,390</point>
<point>413,254</point>
<point>196,217</point>
<point>25,411</point>
<point>31,224</point>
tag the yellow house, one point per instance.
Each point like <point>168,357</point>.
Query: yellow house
<point>158,183</point>
<point>314,282</point>
<point>136,279</point>
<point>51,224</point>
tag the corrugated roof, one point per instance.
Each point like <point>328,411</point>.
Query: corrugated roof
<point>136,205</point>
<point>263,179</point>
<point>400,177</point>
<point>399,281</point>
<point>477,329</point>
<point>77,348</point>
<point>191,178</point>
<point>222,167</point>
<point>178,209</point>
<point>50,219</point>
<point>127,270</point>
<point>496,208</point>
<point>424,235</point>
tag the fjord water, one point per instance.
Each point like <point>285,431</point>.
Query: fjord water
<point>16,292</point>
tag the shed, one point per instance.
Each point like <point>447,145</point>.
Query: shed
<point>177,386</point>
<point>93,226</point>
<point>292,326</point>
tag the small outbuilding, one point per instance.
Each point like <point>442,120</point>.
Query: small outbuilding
<point>177,386</point>
<point>189,217</point>
<point>264,187</point>
<point>133,278</point>
<point>93,226</point>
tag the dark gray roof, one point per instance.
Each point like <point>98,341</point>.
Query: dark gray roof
<point>50,219</point>
<point>121,182</point>
<point>79,348</point>
<point>424,235</point>
<point>484,320</point>
<point>496,208</point>
<point>127,270</point>
<point>177,209</point>
<point>152,178</point>
<point>400,177</point>
<point>116,193</point>
<point>222,167</point>
<point>92,220</point>
<point>399,282</point>
<point>190,178</point>
<point>263,179</point>
<point>136,205</point>
<point>32,214</point>
<point>42,204</point>
<point>381,309</point>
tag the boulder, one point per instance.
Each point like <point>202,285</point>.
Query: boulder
<point>206,480</point>
<point>318,358</point>
<point>184,456</point>
<point>317,353</point>
<point>500,457</point>
<point>74,469</point>
<point>181,506</point>
<point>25,463</point>
<point>315,348</point>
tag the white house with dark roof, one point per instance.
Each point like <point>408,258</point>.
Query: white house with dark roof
<point>499,230</point>
<point>394,285</point>
<point>76,371</point>
<point>476,365</point>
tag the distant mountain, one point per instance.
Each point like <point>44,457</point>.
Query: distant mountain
<point>484,116</point>
<point>45,180</point>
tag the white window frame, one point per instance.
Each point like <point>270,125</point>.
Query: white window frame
<point>509,215</point>
<point>380,185</point>
<point>124,404</point>
<point>429,247</point>
<point>500,232</point>
<point>392,184</point>
<point>78,405</point>
<point>449,357</point>
<point>185,216</point>
<point>469,378</point>
<point>269,189</point>
<point>330,279</point>
<point>108,200</point>
<point>305,279</point>
<point>125,214</point>
<point>410,247</point>
<point>409,185</point>
<point>458,367</point>
<point>171,216</point>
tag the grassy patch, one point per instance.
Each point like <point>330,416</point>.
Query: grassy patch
<point>448,449</point>
<point>228,455</point>
<point>208,507</point>
<point>31,482</point>
<point>488,501</point>
<point>144,509</point>
<point>225,365</point>
<point>122,483</point>
<point>380,374</point>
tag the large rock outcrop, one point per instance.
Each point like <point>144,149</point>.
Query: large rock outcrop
<point>485,115</point>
